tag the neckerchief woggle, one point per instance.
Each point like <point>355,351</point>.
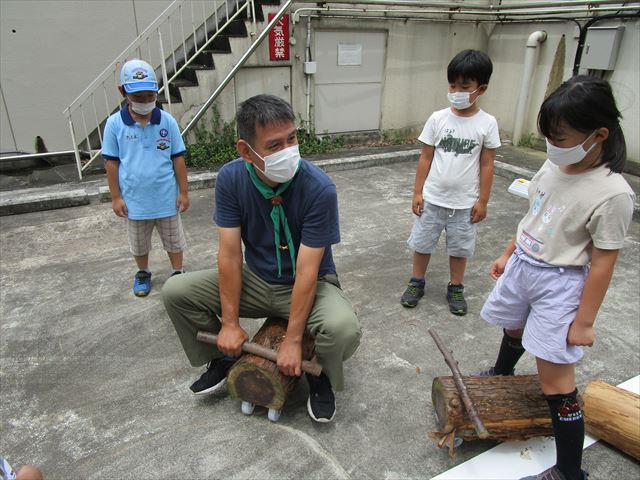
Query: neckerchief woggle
<point>277,215</point>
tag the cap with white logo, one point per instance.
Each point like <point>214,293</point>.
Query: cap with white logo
<point>138,76</point>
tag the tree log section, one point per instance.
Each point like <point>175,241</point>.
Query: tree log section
<point>613,415</point>
<point>258,380</point>
<point>511,407</point>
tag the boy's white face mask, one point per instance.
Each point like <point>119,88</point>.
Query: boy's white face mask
<point>280,167</point>
<point>143,108</point>
<point>460,100</point>
<point>568,156</point>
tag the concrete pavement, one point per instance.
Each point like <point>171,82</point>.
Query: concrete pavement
<point>94,384</point>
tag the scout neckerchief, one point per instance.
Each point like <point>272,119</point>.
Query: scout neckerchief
<point>277,215</point>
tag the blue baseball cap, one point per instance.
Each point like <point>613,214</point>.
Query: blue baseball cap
<point>138,76</point>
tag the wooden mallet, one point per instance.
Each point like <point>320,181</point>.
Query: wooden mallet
<point>264,352</point>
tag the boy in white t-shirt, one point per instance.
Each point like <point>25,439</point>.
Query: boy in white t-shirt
<point>453,177</point>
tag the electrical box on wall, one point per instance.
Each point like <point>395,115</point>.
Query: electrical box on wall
<point>601,48</point>
<point>310,68</point>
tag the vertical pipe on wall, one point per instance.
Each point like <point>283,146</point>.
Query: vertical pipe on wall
<point>307,90</point>
<point>530,60</point>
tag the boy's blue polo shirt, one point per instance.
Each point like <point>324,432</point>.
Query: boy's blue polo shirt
<point>146,176</point>
<point>310,204</point>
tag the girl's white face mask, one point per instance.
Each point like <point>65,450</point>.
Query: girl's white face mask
<point>568,156</point>
<point>460,100</point>
<point>280,167</point>
<point>143,108</point>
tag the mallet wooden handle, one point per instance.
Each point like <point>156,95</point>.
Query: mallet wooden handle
<point>460,386</point>
<point>264,352</point>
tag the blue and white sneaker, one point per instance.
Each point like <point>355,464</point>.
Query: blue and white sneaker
<point>142,283</point>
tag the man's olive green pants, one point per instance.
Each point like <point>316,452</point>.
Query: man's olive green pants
<point>192,301</point>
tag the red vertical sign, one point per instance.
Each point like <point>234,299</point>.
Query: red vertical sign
<point>279,38</point>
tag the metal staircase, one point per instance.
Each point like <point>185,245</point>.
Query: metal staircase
<point>207,43</point>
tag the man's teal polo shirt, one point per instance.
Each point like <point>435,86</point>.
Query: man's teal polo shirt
<point>146,176</point>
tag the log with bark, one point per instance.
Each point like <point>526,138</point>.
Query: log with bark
<point>258,380</point>
<point>613,415</point>
<point>511,408</point>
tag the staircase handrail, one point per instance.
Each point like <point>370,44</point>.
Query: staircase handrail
<point>194,37</point>
<point>276,18</point>
<point>248,5</point>
<point>136,43</point>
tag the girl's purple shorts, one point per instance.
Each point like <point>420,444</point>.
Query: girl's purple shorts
<point>541,299</point>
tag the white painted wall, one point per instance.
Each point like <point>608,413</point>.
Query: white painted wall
<point>418,52</point>
<point>50,51</point>
<point>59,47</point>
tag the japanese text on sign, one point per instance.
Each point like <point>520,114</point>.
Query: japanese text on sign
<point>279,38</point>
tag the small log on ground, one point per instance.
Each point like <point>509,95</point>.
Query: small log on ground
<point>511,407</point>
<point>613,415</point>
<point>257,380</point>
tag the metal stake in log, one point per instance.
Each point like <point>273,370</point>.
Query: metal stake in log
<point>460,386</point>
<point>264,352</point>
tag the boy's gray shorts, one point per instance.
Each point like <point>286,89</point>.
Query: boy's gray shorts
<point>542,300</point>
<point>169,229</point>
<point>461,233</point>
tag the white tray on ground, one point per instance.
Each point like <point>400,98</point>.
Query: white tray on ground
<point>519,187</point>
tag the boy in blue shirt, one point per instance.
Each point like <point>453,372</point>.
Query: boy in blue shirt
<point>144,157</point>
<point>453,178</point>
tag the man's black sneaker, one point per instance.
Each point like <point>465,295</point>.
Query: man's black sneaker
<point>455,297</point>
<point>214,378</point>
<point>322,402</point>
<point>413,293</point>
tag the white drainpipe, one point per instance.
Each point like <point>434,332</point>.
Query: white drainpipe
<point>530,61</point>
<point>307,90</point>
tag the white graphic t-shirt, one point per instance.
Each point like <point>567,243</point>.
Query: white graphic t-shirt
<point>454,177</point>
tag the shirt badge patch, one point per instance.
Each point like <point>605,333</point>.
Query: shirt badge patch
<point>164,132</point>
<point>162,145</point>
<point>531,243</point>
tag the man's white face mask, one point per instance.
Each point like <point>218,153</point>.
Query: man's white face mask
<point>280,167</point>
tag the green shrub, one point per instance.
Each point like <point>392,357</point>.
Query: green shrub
<point>215,143</point>
<point>526,141</point>
<point>311,144</point>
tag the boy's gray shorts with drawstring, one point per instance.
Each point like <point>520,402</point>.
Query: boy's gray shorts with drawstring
<point>461,233</point>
